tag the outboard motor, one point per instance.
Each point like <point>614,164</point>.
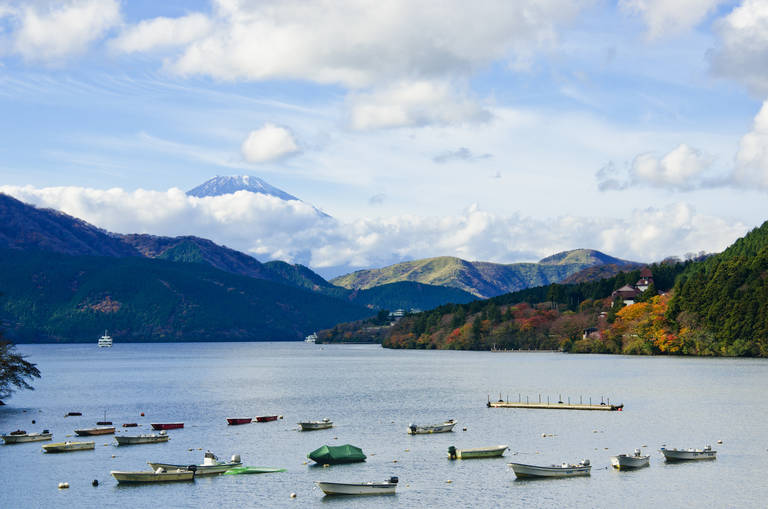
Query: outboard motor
<point>585,463</point>
<point>235,458</point>
<point>193,469</point>
<point>412,427</point>
<point>452,452</point>
<point>637,452</point>
<point>45,432</point>
<point>393,480</point>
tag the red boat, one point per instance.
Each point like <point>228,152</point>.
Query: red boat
<point>266,418</point>
<point>167,425</point>
<point>238,420</point>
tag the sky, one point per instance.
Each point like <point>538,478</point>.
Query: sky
<point>489,130</point>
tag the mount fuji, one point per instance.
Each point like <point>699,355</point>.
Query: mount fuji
<point>219,185</point>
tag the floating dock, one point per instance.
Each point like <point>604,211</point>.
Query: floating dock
<point>606,407</point>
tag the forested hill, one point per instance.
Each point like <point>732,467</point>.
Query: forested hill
<point>724,300</point>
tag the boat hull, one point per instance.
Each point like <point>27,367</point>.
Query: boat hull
<point>480,452</point>
<point>523,471</point>
<point>201,469</point>
<point>435,428</point>
<point>253,470</point>
<point>31,437</point>
<point>146,477</point>
<point>315,425</point>
<point>141,439</point>
<point>94,431</point>
<point>167,425</point>
<point>627,462</point>
<point>673,455</point>
<point>266,418</point>
<point>69,447</point>
<point>366,488</point>
<point>234,421</point>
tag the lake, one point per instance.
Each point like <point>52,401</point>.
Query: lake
<point>372,395</point>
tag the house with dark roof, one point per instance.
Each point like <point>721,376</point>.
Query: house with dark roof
<point>628,293</point>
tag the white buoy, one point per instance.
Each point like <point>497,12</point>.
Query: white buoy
<point>293,495</point>
<point>719,441</point>
<point>63,485</point>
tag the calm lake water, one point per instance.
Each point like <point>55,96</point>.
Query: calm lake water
<point>372,394</point>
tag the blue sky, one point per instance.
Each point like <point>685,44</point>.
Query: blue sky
<point>496,131</point>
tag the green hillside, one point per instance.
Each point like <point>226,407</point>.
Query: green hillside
<point>482,279</point>
<point>55,297</point>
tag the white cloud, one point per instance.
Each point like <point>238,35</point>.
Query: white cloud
<point>751,168</point>
<point>268,143</point>
<point>271,228</point>
<point>161,33</point>
<point>360,42</point>
<point>670,17</point>
<point>61,29</point>
<point>743,50</point>
<point>413,104</point>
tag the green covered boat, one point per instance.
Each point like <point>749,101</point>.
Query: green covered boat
<point>334,455</point>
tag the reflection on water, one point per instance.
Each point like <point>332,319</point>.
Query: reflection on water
<point>372,395</point>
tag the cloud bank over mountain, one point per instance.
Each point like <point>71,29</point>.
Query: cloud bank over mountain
<point>271,228</point>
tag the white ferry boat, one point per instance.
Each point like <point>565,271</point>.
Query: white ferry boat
<point>311,338</point>
<point>105,340</point>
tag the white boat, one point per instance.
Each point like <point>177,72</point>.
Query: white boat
<point>445,427</point>
<point>358,488</point>
<point>18,437</point>
<point>689,454</point>
<point>627,462</point>
<point>311,338</point>
<point>69,446</point>
<point>564,470</point>
<point>315,425</point>
<point>151,438</point>
<point>159,475</point>
<point>105,341</point>
<point>478,452</point>
<point>210,466</point>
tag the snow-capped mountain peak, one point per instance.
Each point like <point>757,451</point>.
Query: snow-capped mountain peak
<point>218,186</point>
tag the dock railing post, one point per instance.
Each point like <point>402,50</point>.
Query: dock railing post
<point>590,400</point>
<point>539,398</point>
<point>569,400</point>
<point>547,400</point>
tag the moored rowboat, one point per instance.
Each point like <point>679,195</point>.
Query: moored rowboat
<point>627,462</point>
<point>95,431</point>
<point>358,488</point>
<point>233,421</point>
<point>69,446</point>
<point>266,418</point>
<point>142,439</point>
<point>565,470</point>
<point>478,452</point>
<point>315,425</point>
<point>689,454</point>
<point>18,438</point>
<point>445,427</point>
<point>150,476</point>
<point>167,425</point>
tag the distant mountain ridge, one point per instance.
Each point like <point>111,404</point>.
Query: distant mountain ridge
<point>483,279</point>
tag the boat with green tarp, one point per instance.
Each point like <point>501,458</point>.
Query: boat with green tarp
<point>334,455</point>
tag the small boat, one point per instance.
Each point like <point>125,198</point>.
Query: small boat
<point>105,422</point>
<point>130,424</point>
<point>151,438</point>
<point>689,454</point>
<point>336,455</point>
<point>159,475</point>
<point>14,437</point>
<point>87,432</point>
<point>564,470</point>
<point>358,488</point>
<point>253,470</point>
<point>312,338</point>
<point>73,414</point>
<point>167,425</point>
<point>210,466</point>
<point>445,427</point>
<point>266,418</point>
<point>628,462</point>
<point>315,425</point>
<point>478,452</point>
<point>232,421</point>
<point>105,341</point>
<point>69,446</point>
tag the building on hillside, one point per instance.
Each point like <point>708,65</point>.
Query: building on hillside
<point>629,293</point>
